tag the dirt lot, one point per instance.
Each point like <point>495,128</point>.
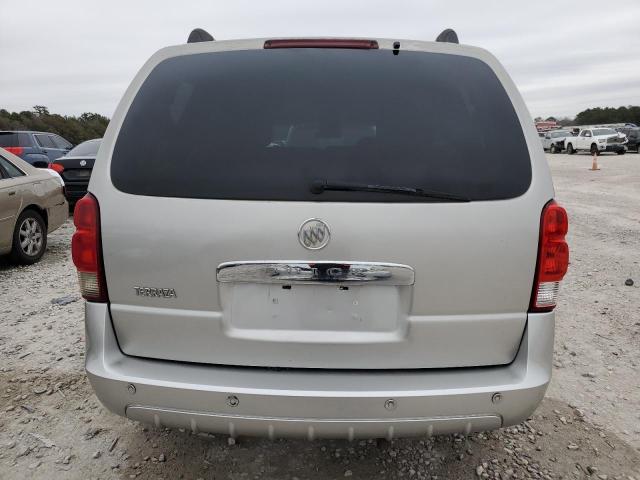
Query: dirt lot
<point>52,426</point>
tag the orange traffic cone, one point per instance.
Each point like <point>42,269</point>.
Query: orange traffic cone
<point>594,165</point>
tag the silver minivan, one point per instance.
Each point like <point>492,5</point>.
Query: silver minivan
<point>289,237</point>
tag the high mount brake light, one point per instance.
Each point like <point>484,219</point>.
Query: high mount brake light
<point>553,257</point>
<point>321,43</point>
<point>56,167</point>
<point>86,250</point>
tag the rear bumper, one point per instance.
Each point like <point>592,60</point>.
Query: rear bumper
<point>57,215</point>
<point>318,403</point>
<point>74,191</point>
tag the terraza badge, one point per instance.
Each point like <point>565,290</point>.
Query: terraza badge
<point>155,292</point>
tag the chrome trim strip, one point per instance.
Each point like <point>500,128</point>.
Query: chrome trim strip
<point>311,272</point>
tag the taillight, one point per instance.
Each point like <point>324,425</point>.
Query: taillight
<point>321,43</point>
<point>553,257</point>
<point>56,167</point>
<point>86,249</point>
<point>14,150</point>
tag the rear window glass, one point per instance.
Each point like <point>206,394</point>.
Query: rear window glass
<point>266,124</point>
<point>60,142</point>
<point>604,131</point>
<point>9,139</point>
<point>10,168</point>
<point>88,149</point>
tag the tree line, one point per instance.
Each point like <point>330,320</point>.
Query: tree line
<point>599,115</point>
<point>609,115</point>
<point>75,129</point>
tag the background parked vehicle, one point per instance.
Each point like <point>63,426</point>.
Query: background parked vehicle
<point>597,140</point>
<point>633,136</point>
<point>75,169</point>
<point>554,141</point>
<point>32,204</point>
<point>36,148</point>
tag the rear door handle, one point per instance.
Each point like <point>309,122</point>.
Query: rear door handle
<point>314,272</point>
<point>12,193</point>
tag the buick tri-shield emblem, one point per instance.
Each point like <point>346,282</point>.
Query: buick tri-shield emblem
<point>314,234</point>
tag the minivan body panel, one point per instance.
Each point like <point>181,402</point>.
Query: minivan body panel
<point>473,265</point>
<point>450,305</point>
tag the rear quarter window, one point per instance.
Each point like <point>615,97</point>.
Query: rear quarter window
<point>265,124</point>
<point>45,141</point>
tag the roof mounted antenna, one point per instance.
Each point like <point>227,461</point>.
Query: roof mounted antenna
<point>199,35</point>
<point>448,36</point>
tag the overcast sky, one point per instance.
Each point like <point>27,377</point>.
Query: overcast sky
<point>76,56</point>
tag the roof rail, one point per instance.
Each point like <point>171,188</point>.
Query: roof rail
<point>199,35</point>
<point>448,36</point>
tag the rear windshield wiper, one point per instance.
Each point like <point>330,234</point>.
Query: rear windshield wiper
<point>319,186</point>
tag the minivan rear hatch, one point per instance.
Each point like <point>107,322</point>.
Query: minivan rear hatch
<point>219,246</point>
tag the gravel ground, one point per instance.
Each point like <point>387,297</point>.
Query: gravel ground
<point>588,426</point>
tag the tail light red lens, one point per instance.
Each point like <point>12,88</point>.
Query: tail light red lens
<point>56,167</point>
<point>86,250</point>
<point>321,43</point>
<point>553,257</point>
<point>15,150</point>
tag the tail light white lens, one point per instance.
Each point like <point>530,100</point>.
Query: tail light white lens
<point>553,257</point>
<point>86,250</point>
<point>547,295</point>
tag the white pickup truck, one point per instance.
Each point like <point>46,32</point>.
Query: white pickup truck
<point>597,140</point>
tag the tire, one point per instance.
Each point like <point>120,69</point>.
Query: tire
<point>594,149</point>
<point>29,238</point>
<point>621,152</point>
<point>553,149</point>
<point>570,149</point>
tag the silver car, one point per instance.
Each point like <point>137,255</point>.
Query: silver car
<point>32,204</point>
<point>288,237</point>
<point>554,141</point>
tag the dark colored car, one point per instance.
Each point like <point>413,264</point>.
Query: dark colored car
<point>633,135</point>
<point>75,169</point>
<point>36,148</point>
